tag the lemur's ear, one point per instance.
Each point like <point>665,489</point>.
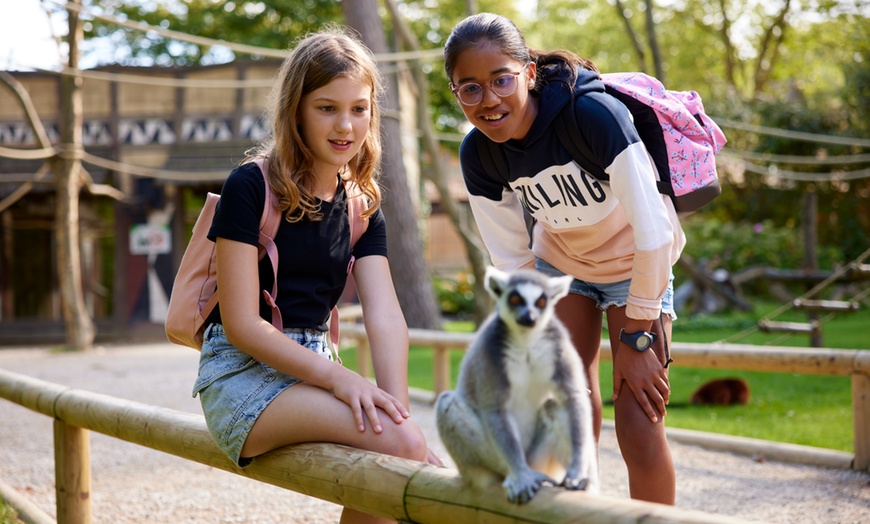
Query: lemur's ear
<point>558,287</point>
<point>495,281</point>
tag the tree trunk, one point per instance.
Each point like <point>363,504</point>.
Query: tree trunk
<point>80,329</point>
<point>635,41</point>
<point>410,273</point>
<point>769,49</point>
<point>730,54</point>
<point>459,217</point>
<point>654,43</point>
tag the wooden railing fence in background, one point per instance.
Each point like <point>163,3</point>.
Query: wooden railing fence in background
<point>399,489</point>
<point>812,361</point>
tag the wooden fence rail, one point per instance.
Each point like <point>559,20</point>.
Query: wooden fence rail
<point>403,490</point>
<point>812,361</point>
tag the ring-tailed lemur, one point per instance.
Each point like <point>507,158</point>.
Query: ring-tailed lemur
<point>521,405</point>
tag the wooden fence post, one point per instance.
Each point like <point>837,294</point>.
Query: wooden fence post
<point>394,488</point>
<point>72,471</point>
<point>441,367</point>
<point>861,409</point>
<point>363,357</point>
<point>861,415</point>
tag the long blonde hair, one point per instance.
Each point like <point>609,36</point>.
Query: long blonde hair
<point>318,59</point>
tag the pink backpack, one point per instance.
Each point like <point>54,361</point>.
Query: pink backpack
<point>681,139</point>
<point>194,292</point>
<point>691,138</point>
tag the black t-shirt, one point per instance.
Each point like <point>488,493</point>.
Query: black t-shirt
<point>312,255</point>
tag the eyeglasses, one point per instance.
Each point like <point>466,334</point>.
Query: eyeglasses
<point>471,93</point>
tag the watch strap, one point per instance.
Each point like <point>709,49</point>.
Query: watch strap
<point>631,339</point>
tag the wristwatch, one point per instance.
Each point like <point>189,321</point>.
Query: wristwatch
<point>640,341</point>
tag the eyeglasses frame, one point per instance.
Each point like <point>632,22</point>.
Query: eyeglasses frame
<point>486,85</point>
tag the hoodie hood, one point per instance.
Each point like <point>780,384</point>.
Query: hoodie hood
<point>552,99</point>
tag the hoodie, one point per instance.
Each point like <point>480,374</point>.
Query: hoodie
<point>596,231</point>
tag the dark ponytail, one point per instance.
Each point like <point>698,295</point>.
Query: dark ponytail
<point>560,65</point>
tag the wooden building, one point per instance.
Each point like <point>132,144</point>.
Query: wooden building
<point>181,130</point>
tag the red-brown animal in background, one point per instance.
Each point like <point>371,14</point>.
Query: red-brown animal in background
<point>722,392</point>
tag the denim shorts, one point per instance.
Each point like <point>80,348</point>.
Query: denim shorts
<point>607,295</point>
<point>234,388</point>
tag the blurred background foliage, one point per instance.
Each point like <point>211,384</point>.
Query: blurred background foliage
<point>789,65</point>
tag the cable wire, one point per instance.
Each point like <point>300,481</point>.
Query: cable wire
<point>162,174</point>
<point>239,48</point>
<point>796,135</point>
<point>163,81</point>
<point>28,154</point>
<point>774,171</point>
<point>806,160</point>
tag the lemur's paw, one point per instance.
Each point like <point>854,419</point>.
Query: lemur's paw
<point>522,488</point>
<point>574,483</point>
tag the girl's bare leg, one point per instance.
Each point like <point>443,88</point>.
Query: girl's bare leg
<point>583,319</point>
<point>643,444</point>
<point>305,413</point>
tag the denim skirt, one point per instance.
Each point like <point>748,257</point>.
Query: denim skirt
<point>234,388</point>
<point>614,294</point>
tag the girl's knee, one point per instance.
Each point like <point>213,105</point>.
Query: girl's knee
<point>643,449</point>
<point>407,441</point>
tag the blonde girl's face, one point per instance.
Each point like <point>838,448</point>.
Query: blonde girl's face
<point>335,121</point>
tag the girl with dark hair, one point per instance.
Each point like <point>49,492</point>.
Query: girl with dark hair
<point>618,239</point>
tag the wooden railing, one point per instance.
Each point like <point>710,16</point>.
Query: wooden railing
<point>394,488</point>
<point>812,361</point>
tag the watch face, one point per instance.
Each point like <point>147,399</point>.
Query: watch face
<point>643,342</point>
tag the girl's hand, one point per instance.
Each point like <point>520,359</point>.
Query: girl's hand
<point>645,376</point>
<point>364,397</point>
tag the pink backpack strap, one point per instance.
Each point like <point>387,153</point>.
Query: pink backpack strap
<point>269,223</point>
<point>356,204</point>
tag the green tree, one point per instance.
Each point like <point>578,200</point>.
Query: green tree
<point>274,24</point>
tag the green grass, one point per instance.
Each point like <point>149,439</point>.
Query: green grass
<point>800,409</point>
<point>812,410</point>
<point>8,515</point>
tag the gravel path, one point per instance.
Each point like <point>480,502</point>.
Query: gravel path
<point>137,485</point>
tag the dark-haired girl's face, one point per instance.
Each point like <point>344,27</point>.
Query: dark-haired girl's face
<point>500,118</point>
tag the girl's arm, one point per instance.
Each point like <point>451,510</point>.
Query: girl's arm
<point>386,329</point>
<point>497,211</point>
<point>503,230</point>
<point>238,282</point>
<point>385,324</point>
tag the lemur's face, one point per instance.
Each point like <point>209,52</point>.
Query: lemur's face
<point>526,305</point>
<point>526,298</point>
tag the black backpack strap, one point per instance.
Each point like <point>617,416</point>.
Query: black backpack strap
<point>492,158</point>
<point>650,132</point>
<point>575,143</point>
